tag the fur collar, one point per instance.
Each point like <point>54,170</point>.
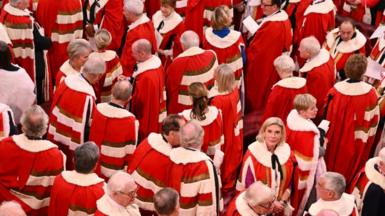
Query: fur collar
<point>109,207</point>
<point>80,179</point>
<point>263,156</point>
<point>298,123</point>
<point>107,55</point>
<point>280,15</point>
<point>317,61</point>
<point>185,156</point>
<point>113,112</point>
<point>170,22</point>
<point>78,83</point>
<point>16,11</point>
<point>215,92</point>
<point>294,1</point>
<point>211,115</point>
<point>345,46</point>
<point>143,19</point>
<point>219,42</point>
<point>353,89</point>
<point>156,142</point>
<point>242,207</point>
<point>372,174</point>
<point>67,69</point>
<point>32,145</point>
<point>344,206</point>
<point>192,51</point>
<point>291,82</point>
<point>321,8</point>
<point>150,64</point>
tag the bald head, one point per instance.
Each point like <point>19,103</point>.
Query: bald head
<point>11,208</point>
<point>192,135</point>
<point>119,181</point>
<point>258,193</point>
<point>122,90</point>
<point>189,39</point>
<point>309,47</point>
<point>141,50</point>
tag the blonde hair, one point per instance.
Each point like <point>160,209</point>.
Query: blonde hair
<point>221,17</point>
<point>267,123</point>
<point>198,93</point>
<point>304,101</point>
<point>224,76</point>
<point>102,39</point>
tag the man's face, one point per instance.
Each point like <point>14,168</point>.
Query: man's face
<point>346,31</point>
<point>23,4</point>
<point>127,195</point>
<point>322,192</point>
<point>268,8</point>
<point>302,52</point>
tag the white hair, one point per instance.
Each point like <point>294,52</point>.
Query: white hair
<point>14,2</point>
<point>142,45</point>
<point>11,208</point>
<point>311,45</point>
<point>134,6</point>
<point>284,62</point>
<point>94,66</point>
<point>118,181</point>
<point>381,155</point>
<point>334,182</point>
<point>34,127</point>
<point>189,39</point>
<point>258,193</point>
<point>77,47</point>
<point>191,135</point>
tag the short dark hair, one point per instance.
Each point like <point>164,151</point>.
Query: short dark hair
<point>85,157</point>
<point>165,201</point>
<point>5,55</point>
<point>355,66</point>
<point>171,123</point>
<point>276,2</point>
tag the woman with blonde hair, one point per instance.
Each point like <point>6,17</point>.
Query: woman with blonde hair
<point>270,160</point>
<point>209,117</point>
<point>225,42</point>
<point>113,68</point>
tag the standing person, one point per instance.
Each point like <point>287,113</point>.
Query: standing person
<point>166,202</point>
<point>375,72</point>
<point>260,74</point>
<point>351,135</point>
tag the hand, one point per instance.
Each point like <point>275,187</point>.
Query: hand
<point>90,31</point>
<point>278,207</point>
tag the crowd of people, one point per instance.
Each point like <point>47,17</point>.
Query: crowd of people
<point>138,107</point>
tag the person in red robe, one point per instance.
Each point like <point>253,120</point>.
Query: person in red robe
<point>330,188</point>
<point>25,175</point>
<point>169,26</point>
<point>210,6</point>
<point>150,163</point>
<point>351,135</point>
<point>193,12</point>
<point>140,27</point>
<point>295,10</point>
<point>166,202</point>
<point>359,11</point>
<point>72,107</point>
<point>194,174</point>
<point>225,97</point>
<point>256,200</point>
<point>193,65</point>
<point>148,102</point>
<point>75,192</point>
<point>319,71</point>
<point>271,161</point>
<point>375,72</point>
<point>343,42</point>
<point>62,22</point>
<point>115,131</point>
<point>7,121</point>
<point>280,100</point>
<point>260,74</point>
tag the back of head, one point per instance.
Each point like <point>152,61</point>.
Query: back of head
<point>311,45</point>
<point>304,101</point>
<point>94,66</point>
<point>142,45</point>
<point>224,76</point>
<point>258,193</point>
<point>198,92</point>
<point>355,66</point>
<point>334,182</point>
<point>11,208</point>
<point>102,39</point>
<point>77,47</point>
<point>191,135</point>
<point>166,202</point>
<point>85,157</point>
<point>122,90</point>
<point>5,55</point>
<point>221,17</point>
<point>171,123</point>
<point>134,6</point>
<point>189,39</point>
<point>34,122</point>
<point>284,63</point>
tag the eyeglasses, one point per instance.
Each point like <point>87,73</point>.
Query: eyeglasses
<point>129,194</point>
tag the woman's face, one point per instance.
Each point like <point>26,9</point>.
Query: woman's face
<point>272,136</point>
<point>81,59</point>
<point>310,113</point>
<point>166,10</point>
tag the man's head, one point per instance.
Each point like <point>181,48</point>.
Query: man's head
<point>189,39</point>
<point>122,188</point>
<point>141,50</point>
<point>260,198</point>
<point>171,128</point>
<point>347,30</point>
<point>355,66</point>
<point>191,135</point>
<point>270,6</point>
<point>21,4</point>
<point>284,65</point>
<point>331,186</point>
<point>166,202</point>
<point>121,91</point>
<point>85,157</point>
<point>309,47</point>
<point>93,69</point>
<point>34,122</point>
<point>133,10</point>
<point>11,208</point>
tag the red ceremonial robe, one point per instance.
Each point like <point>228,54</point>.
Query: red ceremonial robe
<point>358,12</point>
<point>212,125</point>
<point>25,175</point>
<point>342,50</point>
<point>168,32</point>
<point>353,114</point>
<point>65,70</point>
<point>230,106</point>
<point>320,77</point>
<point>228,50</point>
<point>148,102</point>
<point>71,110</point>
<point>107,206</point>
<point>75,193</point>
<point>142,28</point>
<point>196,180</point>
<point>115,131</point>
<point>113,70</point>
<point>344,206</point>
<point>151,7</point>
<point>150,167</point>
<point>7,121</point>
<point>296,10</point>
<point>62,22</point>
<point>193,65</point>
<point>376,64</point>
<point>210,7</point>
<point>194,12</point>
<point>239,207</point>
<point>280,101</point>
<point>260,73</point>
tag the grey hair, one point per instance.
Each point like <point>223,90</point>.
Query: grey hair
<point>33,127</point>
<point>77,47</point>
<point>94,66</point>
<point>165,201</point>
<point>258,193</point>
<point>334,182</point>
<point>284,62</point>
<point>381,155</point>
<point>142,45</point>
<point>11,208</point>
<point>118,181</point>
<point>134,6</point>
<point>311,45</point>
<point>122,90</point>
<point>191,135</point>
<point>189,39</point>
<point>85,157</point>
<point>14,2</point>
